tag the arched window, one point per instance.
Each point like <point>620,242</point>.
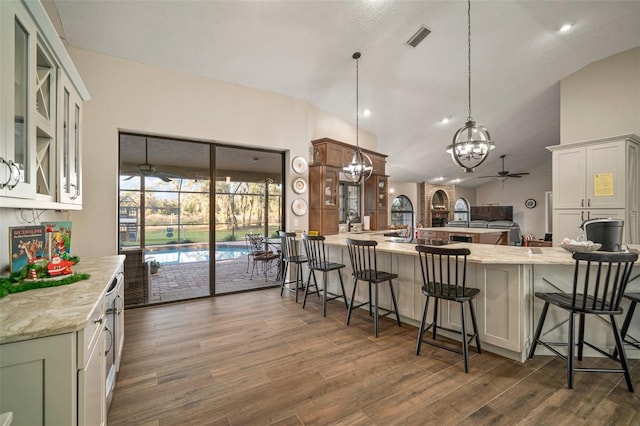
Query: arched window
<point>401,211</point>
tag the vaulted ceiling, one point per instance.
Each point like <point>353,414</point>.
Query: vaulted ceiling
<point>303,49</point>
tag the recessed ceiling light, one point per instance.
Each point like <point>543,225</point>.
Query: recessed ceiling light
<point>444,120</point>
<point>366,112</point>
<point>566,27</point>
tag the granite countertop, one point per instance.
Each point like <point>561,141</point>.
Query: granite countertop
<point>461,230</point>
<point>480,253</point>
<point>56,310</point>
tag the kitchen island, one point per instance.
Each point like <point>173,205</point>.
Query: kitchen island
<point>507,277</point>
<point>52,348</point>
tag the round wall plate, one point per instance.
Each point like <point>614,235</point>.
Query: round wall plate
<point>300,186</point>
<point>530,203</point>
<point>299,206</point>
<point>299,164</point>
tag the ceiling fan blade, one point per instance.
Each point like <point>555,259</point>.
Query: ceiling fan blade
<point>517,174</point>
<point>163,177</point>
<point>130,177</point>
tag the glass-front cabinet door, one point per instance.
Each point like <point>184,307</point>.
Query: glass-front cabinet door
<point>69,150</point>
<point>330,187</point>
<point>17,174</point>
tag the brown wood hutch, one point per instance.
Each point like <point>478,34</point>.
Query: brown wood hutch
<point>324,178</point>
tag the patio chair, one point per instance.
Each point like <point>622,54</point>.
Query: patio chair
<point>255,247</point>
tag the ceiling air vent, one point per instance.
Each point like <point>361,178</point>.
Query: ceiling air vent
<point>418,36</point>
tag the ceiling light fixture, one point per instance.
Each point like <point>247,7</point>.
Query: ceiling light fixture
<point>566,27</point>
<point>471,143</point>
<point>444,120</point>
<point>366,112</point>
<point>360,167</point>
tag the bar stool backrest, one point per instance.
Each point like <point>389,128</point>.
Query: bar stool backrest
<point>314,247</point>
<point>445,269</point>
<point>290,246</point>
<point>364,263</point>
<point>599,281</point>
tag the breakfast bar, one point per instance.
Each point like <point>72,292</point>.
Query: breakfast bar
<point>507,276</point>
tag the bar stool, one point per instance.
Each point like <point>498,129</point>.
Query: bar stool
<point>364,263</point>
<point>634,298</point>
<point>604,278</point>
<point>291,254</point>
<point>314,247</point>
<point>444,276</point>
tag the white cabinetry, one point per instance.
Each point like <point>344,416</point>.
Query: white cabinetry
<point>41,97</point>
<point>596,179</point>
<point>41,379</point>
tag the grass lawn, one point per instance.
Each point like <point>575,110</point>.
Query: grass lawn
<point>157,235</point>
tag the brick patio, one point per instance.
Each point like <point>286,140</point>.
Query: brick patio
<point>188,280</point>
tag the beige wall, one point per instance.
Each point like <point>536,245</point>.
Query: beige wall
<point>514,192</point>
<point>126,95</point>
<point>602,99</point>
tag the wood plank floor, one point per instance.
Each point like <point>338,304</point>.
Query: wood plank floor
<point>259,359</point>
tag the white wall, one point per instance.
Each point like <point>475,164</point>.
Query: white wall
<point>130,96</point>
<point>602,99</point>
<point>514,192</point>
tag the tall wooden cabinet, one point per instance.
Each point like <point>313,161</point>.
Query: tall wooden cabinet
<point>376,203</point>
<point>596,179</point>
<point>324,178</point>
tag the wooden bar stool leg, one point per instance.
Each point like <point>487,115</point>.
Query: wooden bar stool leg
<point>623,355</point>
<point>571,347</point>
<point>580,336</point>
<point>395,305</point>
<point>465,348</point>
<point>422,324</point>
<point>435,317</point>
<point>475,325</point>
<point>353,297</point>
<point>375,321</point>
<point>324,291</point>
<point>344,294</point>
<point>536,336</point>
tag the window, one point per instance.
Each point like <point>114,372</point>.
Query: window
<point>401,211</point>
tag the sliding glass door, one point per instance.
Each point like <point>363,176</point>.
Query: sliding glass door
<point>166,206</point>
<point>248,195</point>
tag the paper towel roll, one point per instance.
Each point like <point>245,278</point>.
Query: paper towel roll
<point>366,221</point>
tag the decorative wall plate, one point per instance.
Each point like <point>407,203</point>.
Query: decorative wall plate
<point>299,206</point>
<point>300,186</point>
<point>530,203</point>
<point>299,164</point>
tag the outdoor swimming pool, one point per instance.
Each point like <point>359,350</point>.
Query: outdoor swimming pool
<point>188,254</point>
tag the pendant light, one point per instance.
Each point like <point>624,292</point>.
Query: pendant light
<point>360,167</point>
<point>471,143</point>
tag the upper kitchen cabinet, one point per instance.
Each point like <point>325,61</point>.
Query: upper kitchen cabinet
<point>41,96</point>
<point>596,179</point>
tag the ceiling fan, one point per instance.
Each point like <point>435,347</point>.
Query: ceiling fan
<point>149,170</point>
<point>504,174</point>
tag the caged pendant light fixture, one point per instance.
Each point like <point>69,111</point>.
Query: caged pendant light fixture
<point>471,143</point>
<point>360,167</point>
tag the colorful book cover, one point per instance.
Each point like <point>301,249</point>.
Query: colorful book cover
<point>58,239</point>
<point>27,245</point>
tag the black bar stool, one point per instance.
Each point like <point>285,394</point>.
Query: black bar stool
<point>444,277</point>
<point>291,254</point>
<point>365,268</point>
<point>599,281</point>
<point>316,254</point>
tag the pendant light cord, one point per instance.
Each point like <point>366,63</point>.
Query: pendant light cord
<point>469,53</point>
<point>357,104</point>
